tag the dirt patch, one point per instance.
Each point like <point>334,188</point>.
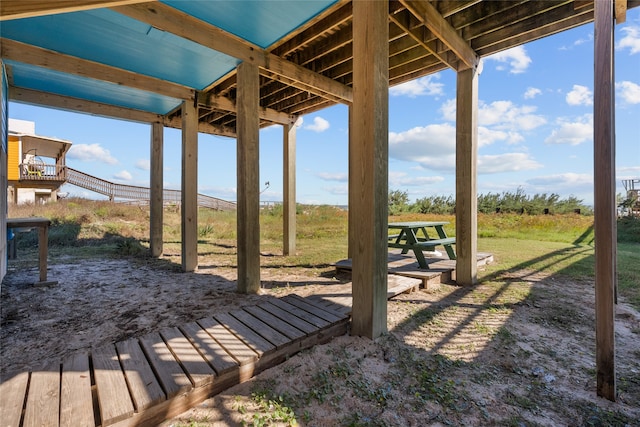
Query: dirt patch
<point>517,350</point>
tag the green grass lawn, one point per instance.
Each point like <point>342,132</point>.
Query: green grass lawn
<point>556,244</point>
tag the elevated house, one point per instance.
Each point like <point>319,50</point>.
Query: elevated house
<point>35,164</point>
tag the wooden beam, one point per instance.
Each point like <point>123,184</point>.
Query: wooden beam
<point>45,58</point>
<point>175,122</point>
<point>186,26</point>
<point>189,194</point>
<point>67,103</point>
<point>217,102</point>
<point>248,171</point>
<point>17,9</point>
<point>604,223</point>
<point>289,196</point>
<point>620,7</point>
<point>369,167</point>
<point>466,177</point>
<point>418,36</point>
<point>429,16</point>
<point>156,202</point>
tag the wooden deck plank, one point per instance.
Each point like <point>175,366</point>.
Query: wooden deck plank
<point>43,400</point>
<point>314,309</point>
<point>221,361</point>
<point>328,302</point>
<point>316,321</point>
<point>145,388</point>
<point>76,402</point>
<point>12,397</point>
<point>168,371</point>
<point>291,318</point>
<point>400,284</point>
<point>233,344</point>
<point>141,382</point>
<point>263,329</point>
<point>275,322</point>
<point>187,355</point>
<point>240,330</point>
<point>340,305</point>
<point>113,395</point>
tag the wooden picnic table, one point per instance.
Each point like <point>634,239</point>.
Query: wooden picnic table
<point>42,224</point>
<point>415,237</point>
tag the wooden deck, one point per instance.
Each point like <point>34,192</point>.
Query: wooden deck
<point>141,382</point>
<point>441,268</point>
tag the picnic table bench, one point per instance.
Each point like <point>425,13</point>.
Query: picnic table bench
<point>413,236</point>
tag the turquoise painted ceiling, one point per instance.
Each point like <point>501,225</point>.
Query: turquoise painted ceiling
<point>110,38</point>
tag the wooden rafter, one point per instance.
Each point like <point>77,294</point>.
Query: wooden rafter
<point>17,9</point>
<point>429,16</point>
<point>208,100</point>
<point>418,34</point>
<point>38,56</point>
<point>186,26</point>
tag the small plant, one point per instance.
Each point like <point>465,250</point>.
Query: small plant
<point>205,230</point>
<point>129,247</point>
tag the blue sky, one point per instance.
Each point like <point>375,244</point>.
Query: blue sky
<point>535,132</point>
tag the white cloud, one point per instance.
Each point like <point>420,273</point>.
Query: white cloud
<point>629,92</point>
<point>501,115</point>
<point>338,190</point>
<point>123,176</point>
<point>580,41</point>
<point>319,125</point>
<point>572,132</point>
<point>630,40</point>
<point>580,95</point>
<point>562,180</point>
<point>508,162</point>
<point>418,87</point>
<point>532,92</point>
<point>516,57</point>
<point>91,153</point>
<point>448,110</point>
<point>143,164</point>
<point>400,179</point>
<point>326,176</point>
<point>432,146</point>
<point>628,172</point>
<point>506,115</point>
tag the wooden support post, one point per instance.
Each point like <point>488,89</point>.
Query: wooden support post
<point>369,167</point>
<point>466,177</point>
<point>189,186</point>
<point>604,199</point>
<point>289,197</point>
<point>352,196</point>
<point>156,197</point>
<point>248,205</point>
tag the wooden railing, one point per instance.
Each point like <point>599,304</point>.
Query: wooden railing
<point>44,172</point>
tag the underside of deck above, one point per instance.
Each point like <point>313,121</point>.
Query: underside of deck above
<point>170,51</point>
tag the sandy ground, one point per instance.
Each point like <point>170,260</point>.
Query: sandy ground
<point>520,351</point>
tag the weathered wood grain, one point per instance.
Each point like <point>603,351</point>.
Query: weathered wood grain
<point>167,370</point>
<point>113,394</point>
<point>76,402</point>
<point>145,388</point>
<point>13,389</point>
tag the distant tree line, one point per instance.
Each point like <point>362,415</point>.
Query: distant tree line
<point>506,202</point>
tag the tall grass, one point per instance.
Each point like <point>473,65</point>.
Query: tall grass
<point>558,244</point>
